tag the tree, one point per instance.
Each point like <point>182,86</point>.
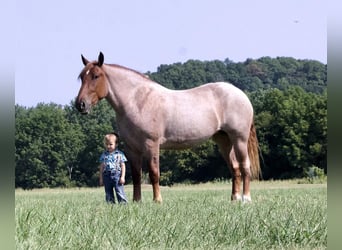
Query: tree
<point>93,126</point>
<point>199,164</point>
<point>292,130</point>
<point>47,146</point>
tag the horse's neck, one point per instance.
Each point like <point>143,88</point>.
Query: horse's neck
<point>123,84</point>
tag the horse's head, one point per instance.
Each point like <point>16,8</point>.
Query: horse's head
<point>94,84</point>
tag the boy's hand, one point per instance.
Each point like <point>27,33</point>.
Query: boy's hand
<point>122,180</point>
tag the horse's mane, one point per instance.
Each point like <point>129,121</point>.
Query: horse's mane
<point>86,68</point>
<point>132,70</point>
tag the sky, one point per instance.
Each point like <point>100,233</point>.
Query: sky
<point>142,35</point>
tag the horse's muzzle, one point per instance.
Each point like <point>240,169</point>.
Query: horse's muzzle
<point>82,107</point>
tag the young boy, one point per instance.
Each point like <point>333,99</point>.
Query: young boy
<point>113,170</point>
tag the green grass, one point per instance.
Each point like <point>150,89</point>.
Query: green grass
<point>283,215</point>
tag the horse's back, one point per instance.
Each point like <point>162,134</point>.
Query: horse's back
<point>227,97</point>
<point>224,90</point>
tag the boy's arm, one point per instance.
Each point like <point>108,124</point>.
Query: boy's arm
<point>100,175</point>
<point>123,173</point>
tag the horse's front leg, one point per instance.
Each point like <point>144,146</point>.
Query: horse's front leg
<point>154,174</point>
<point>136,163</point>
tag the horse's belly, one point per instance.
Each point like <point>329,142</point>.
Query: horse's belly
<point>188,127</point>
<point>170,144</point>
<point>185,138</point>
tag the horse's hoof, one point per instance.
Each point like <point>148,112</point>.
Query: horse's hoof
<point>236,197</point>
<point>158,200</point>
<point>246,198</point>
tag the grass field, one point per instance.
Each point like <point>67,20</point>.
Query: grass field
<point>283,215</point>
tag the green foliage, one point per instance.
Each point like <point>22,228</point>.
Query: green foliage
<point>251,75</point>
<point>199,164</point>
<point>292,130</point>
<point>315,174</point>
<point>46,144</point>
<point>100,121</point>
<point>57,146</point>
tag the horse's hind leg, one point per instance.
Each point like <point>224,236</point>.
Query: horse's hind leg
<point>154,173</point>
<point>225,148</point>
<point>236,172</point>
<point>242,161</point>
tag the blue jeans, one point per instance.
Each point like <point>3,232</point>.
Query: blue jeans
<point>110,182</point>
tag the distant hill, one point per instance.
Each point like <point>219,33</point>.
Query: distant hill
<point>262,73</point>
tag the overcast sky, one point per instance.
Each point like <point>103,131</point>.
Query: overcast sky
<point>51,36</point>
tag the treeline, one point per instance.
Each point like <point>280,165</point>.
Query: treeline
<point>251,75</point>
<point>56,146</point>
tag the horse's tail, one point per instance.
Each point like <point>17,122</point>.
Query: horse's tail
<point>253,153</point>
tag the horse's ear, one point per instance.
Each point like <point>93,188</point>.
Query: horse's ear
<point>100,60</point>
<point>84,60</point>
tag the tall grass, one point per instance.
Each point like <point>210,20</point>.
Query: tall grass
<point>281,216</point>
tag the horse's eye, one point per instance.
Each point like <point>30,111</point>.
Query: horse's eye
<point>95,77</point>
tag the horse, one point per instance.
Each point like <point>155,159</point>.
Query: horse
<point>151,117</point>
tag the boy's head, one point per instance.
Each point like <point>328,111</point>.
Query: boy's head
<point>110,141</point>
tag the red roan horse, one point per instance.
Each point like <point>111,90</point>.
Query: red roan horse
<point>150,116</point>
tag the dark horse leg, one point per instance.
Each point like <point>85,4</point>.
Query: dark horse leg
<point>237,165</point>
<point>136,162</point>
<point>136,167</point>
<point>154,173</point>
<point>236,173</point>
<point>225,148</point>
<point>242,161</point>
